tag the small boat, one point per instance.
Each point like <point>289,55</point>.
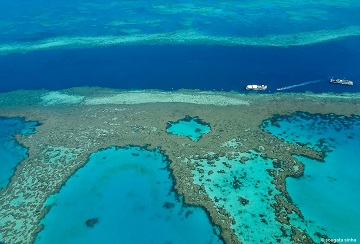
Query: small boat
<point>342,82</point>
<point>256,87</point>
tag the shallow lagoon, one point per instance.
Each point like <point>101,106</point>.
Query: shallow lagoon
<point>244,190</point>
<point>170,67</point>
<point>11,153</point>
<point>128,191</point>
<point>192,128</point>
<point>328,193</point>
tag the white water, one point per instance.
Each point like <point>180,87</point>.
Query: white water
<point>297,85</point>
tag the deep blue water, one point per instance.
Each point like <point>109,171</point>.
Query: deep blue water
<point>192,67</point>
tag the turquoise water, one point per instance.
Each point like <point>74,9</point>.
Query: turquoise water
<point>123,195</point>
<point>245,191</point>
<point>205,45</point>
<point>11,153</point>
<point>328,194</point>
<point>124,18</point>
<point>192,128</point>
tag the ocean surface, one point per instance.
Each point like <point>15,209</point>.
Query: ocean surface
<point>109,17</point>
<point>11,152</point>
<point>192,128</point>
<point>126,194</point>
<point>172,67</point>
<point>231,182</point>
<point>328,192</point>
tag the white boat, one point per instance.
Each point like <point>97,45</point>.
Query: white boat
<point>256,87</point>
<point>342,82</point>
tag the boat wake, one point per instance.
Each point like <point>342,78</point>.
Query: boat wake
<point>297,85</point>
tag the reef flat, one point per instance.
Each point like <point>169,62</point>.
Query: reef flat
<point>79,121</point>
<point>226,23</point>
<point>183,37</point>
